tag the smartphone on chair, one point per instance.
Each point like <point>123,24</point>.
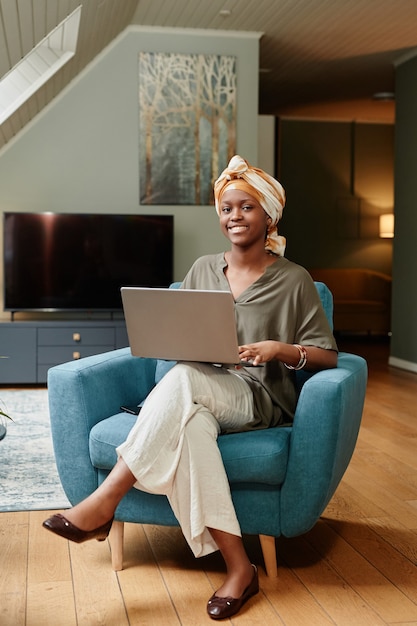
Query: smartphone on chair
<point>133,409</point>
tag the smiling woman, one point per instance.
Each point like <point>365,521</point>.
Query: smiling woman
<point>172,448</point>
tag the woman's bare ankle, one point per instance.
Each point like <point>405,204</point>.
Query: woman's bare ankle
<point>89,515</point>
<point>236,582</point>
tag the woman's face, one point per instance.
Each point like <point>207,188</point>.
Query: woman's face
<point>242,219</point>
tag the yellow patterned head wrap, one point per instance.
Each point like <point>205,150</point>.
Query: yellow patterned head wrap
<point>264,188</point>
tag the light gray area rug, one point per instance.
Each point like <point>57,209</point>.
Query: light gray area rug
<point>28,476</point>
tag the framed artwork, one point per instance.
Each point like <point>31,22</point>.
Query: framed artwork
<point>187,125</point>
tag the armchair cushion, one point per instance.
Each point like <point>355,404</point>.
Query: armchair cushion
<point>250,457</point>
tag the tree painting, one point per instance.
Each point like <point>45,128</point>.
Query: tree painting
<point>187,125</point>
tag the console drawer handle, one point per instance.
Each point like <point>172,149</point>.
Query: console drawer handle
<point>76,336</point>
<point>76,355</point>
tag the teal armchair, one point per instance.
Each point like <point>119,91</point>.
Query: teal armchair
<point>281,478</point>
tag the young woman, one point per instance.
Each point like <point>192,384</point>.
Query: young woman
<point>172,449</point>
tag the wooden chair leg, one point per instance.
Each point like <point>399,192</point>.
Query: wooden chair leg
<point>270,555</point>
<point>116,545</point>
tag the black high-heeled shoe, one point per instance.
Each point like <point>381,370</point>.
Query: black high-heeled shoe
<point>59,525</point>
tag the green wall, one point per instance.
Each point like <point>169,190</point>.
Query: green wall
<point>81,153</point>
<point>404,313</point>
<point>338,178</point>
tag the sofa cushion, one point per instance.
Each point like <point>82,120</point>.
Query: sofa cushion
<point>257,456</point>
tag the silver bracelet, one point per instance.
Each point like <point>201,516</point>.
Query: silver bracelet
<point>303,358</point>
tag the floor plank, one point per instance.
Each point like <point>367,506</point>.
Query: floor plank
<point>96,587</point>
<point>146,595</point>
<point>14,530</point>
<point>372,560</point>
<point>50,597</point>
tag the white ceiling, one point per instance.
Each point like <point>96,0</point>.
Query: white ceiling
<point>318,58</point>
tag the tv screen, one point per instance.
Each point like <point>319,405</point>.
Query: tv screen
<point>62,261</point>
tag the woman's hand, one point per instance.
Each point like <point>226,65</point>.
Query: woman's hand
<point>259,352</point>
<point>263,351</point>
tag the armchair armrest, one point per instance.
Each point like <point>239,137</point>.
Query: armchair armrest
<point>324,435</point>
<point>94,388</point>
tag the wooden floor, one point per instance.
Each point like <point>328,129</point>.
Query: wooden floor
<point>358,566</point>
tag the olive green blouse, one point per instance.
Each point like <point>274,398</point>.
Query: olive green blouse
<point>282,305</point>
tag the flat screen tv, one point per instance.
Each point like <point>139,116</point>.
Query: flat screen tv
<point>62,261</point>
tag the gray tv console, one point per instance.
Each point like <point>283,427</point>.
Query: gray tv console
<point>33,347</point>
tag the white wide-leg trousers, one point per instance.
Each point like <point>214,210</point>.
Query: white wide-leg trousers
<point>172,449</point>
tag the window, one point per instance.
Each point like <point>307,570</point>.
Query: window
<point>27,76</point>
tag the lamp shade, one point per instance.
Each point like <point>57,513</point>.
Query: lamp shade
<point>386,225</point>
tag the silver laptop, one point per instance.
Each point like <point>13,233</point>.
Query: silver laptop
<point>181,324</point>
